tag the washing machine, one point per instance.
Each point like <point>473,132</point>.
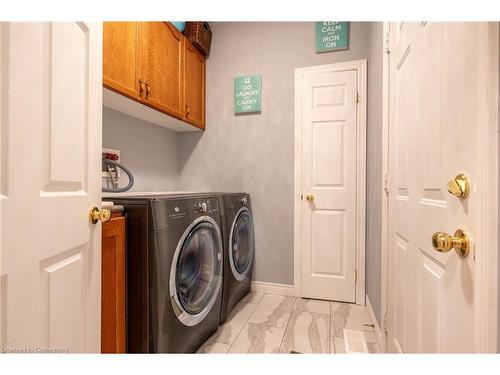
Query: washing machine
<point>174,271</point>
<point>239,249</point>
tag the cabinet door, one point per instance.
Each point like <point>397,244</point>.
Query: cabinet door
<point>194,85</point>
<point>162,61</point>
<point>113,286</point>
<point>120,57</point>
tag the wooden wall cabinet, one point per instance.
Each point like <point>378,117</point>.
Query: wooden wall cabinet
<point>120,51</point>
<point>113,285</point>
<point>162,61</point>
<point>194,85</point>
<point>154,64</point>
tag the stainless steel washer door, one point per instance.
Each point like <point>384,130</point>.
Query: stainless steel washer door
<point>241,244</point>
<point>196,271</point>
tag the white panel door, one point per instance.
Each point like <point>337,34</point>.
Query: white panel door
<point>436,94</point>
<point>50,158</point>
<point>329,178</point>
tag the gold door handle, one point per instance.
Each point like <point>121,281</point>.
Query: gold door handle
<point>443,242</point>
<point>141,88</point>
<point>310,198</point>
<point>95,215</point>
<point>148,90</point>
<point>460,186</point>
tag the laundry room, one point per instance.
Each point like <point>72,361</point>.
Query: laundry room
<point>249,188</point>
<point>250,151</point>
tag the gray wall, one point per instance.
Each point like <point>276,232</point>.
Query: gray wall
<point>255,152</point>
<point>374,170</point>
<point>149,151</point>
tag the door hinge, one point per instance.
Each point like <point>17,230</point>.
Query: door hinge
<point>386,322</point>
<point>301,197</point>
<point>386,183</point>
<point>355,277</point>
<point>357,97</point>
<point>386,42</point>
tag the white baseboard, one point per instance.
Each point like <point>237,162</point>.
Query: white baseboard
<point>377,331</point>
<point>273,288</point>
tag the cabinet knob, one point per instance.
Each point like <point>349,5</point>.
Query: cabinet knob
<point>148,90</point>
<point>187,110</point>
<point>141,88</point>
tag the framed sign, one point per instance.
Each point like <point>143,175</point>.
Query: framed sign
<point>332,36</point>
<point>247,94</point>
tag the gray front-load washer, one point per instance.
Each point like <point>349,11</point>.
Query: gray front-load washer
<point>174,272</point>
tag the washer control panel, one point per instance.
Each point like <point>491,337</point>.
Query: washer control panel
<point>202,206</point>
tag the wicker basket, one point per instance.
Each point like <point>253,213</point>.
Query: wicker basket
<point>200,34</point>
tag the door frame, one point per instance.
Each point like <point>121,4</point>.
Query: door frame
<point>486,301</point>
<point>386,65</point>
<point>360,66</point>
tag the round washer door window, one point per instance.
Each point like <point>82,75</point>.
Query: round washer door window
<point>242,244</point>
<point>196,272</point>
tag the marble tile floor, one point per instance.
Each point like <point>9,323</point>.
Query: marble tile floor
<point>270,323</point>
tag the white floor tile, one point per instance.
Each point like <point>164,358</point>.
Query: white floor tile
<point>312,305</point>
<point>269,323</point>
<point>337,345</point>
<point>350,316</point>
<point>257,338</point>
<point>272,310</point>
<point>227,332</point>
<point>307,332</point>
<point>213,348</point>
<point>252,297</point>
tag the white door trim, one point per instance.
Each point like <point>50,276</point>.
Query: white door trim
<point>486,290</point>
<point>379,336</point>
<point>386,64</point>
<point>360,67</point>
<point>486,278</point>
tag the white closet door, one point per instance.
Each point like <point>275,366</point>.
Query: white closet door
<point>330,150</point>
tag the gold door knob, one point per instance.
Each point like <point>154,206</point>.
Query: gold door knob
<point>95,215</point>
<point>460,186</point>
<point>443,242</point>
<point>310,198</point>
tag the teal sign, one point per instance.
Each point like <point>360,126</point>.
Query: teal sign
<point>332,36</point>
<point>247,94</point>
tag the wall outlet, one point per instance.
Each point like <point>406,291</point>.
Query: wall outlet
<point>115,156</point>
